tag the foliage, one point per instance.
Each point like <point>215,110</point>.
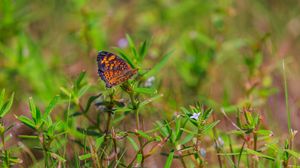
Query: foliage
<point>203,96</point>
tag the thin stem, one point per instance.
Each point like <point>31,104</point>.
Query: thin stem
<point>287,109</point>
<point>218,151</point>
<point>241,152</point>
<point>6,159</point>
<point>286,98</point>
<point>108,123</point>
<point>255,141</point>
<point>182,162</point>
<point>115,145</point>
<point>231,149</point>
<point>42,140</point>
<point>217,146</point>
<point>67,121</point>
<point>134,105</point>
<point>127,88</point>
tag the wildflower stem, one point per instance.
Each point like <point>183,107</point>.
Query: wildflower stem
<point>231,149</point>
<point>217,146</point>
<point>135,110</point>
<point>182,162</point>
<point>128,89</point>
<point>286,98</point>
<point>255,141</point>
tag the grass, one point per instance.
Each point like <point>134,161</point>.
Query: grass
<point>207,91</point>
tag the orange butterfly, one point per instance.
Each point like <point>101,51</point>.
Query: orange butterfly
<point>113,70</point>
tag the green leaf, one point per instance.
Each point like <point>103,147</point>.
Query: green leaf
<point>51,105</point>
<point>206,128</point>
<point>158,66</point>
<point>135,146</point>
<point>56,156</point>
<point>169,159</point>
<point>188,131</point>
<point>2,98</point>
<point>207,113</point>
<point>255,121</point>
<point>83,90</point>
<point>15,160</point>
<point>132,47</point>
<point>293,153</point>
<point>32,109</point>
<point>179,131</point>
<point>264,132</point>
<point>238,132</point>
<point>187,139</point>
<point>99,141</point>
<point>65,91</point>
<point>79,80</point>
<point>144,135</point>
<point>163,130</point>
<point>139,158</point>
<point>28,136</point>
<point>249,118</point>
<point>38,117</point>
<point>143,50</point>
<point>145,90</point>
<point>122,109</point>
<point>150,100</point>
<point>6,107</point>
<point>85,156</point>
<point>27,121</point>
<point>250,151</point>
<point>90,101</point>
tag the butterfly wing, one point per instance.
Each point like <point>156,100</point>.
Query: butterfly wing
<point>112,69</point>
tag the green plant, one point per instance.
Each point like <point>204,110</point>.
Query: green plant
<point>7,157</point>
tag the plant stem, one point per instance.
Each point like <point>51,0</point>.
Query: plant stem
<point>287,110</point>
<point>241,152</point>
<point>108,123</point>
<point>215,141</point>
<point>115,145</point>
<point>286,98</point>
<point>182,162</point>
<point>42,140</point>
<point>4,152</point>
<point>137,117</point>
<point>231,149</point>
<point>255,141</point>
<point>135,109</point>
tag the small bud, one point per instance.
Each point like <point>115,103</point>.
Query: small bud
<point>203,152</point>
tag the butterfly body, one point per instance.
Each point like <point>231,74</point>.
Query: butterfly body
<point>112,69</point>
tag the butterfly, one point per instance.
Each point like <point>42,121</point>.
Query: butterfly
<point>112,69</point>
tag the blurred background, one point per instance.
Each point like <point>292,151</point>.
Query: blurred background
<point>226,52</point>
